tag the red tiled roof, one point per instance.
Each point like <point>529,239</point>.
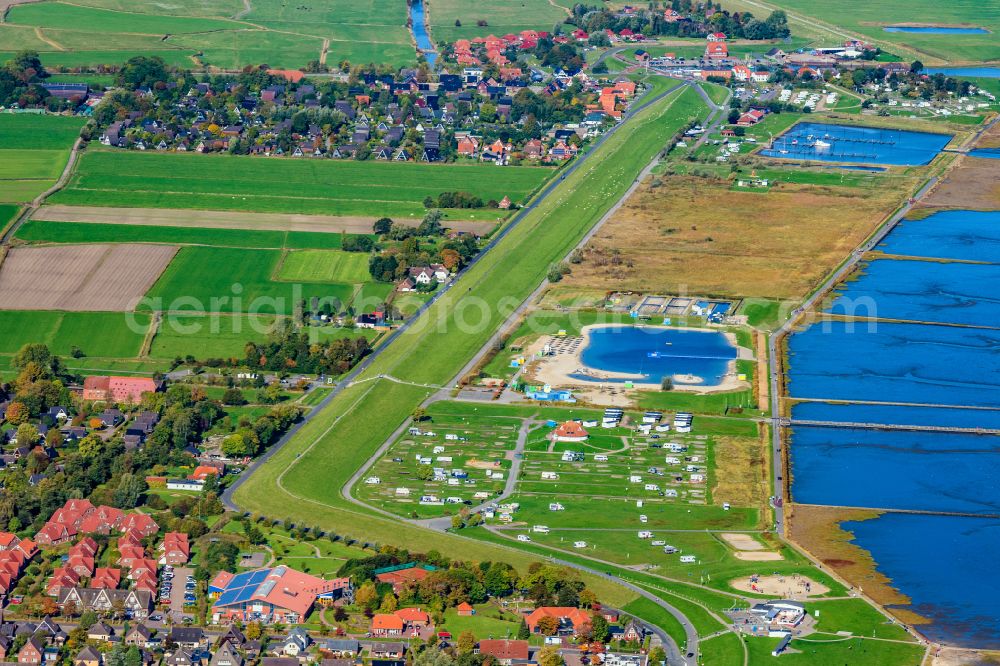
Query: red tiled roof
<point>502,649</point>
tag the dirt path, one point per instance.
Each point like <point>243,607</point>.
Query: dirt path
<point>324,51</point>
<point>763,385</point>
<point>217,219</point>
<point>41,35</point>
<point>246,10</point>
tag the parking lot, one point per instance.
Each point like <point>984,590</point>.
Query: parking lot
<point>178,590</point>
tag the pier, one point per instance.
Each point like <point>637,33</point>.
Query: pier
<point>786,422</point>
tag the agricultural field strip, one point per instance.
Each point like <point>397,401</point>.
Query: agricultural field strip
<point>228,220</point>
<point>60,17</point>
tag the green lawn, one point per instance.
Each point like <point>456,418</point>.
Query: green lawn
<point>724,649</point>
<point>836,652</point>
<point>325,266</point>
<point>650,611</point>
<point>858,617</point>
<point>327,187</point>
<point>209,279</point>
<point>488,622</point>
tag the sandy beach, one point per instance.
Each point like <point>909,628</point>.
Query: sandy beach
<point>789,587</point>
<point>566,360</point>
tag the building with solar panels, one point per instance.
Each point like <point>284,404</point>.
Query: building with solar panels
<point>277,594</point>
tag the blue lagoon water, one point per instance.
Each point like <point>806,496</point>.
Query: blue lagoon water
<point>910,363</point>
<point>930,471</point>
<point>991,153</point>
<point>860,145</point>
<point>968,72</point>
<point>936,30</point>
<point>946,565</point>
<point>962,235</point>
<point>915,290</point>
<point>652,353</point>
<point>944,368</point>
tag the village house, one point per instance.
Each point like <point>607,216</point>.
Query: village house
<point>570,619</point>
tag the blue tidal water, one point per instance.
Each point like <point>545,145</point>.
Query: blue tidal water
<point>910,363</point>
<point>956,234</point>
<point>948,293</point>
<point>946,565</point>
<point>991,153</point>
<point>955,417</point>
<point>929,471</point>
<point>866,145</point>
<point>973,72</point>
<point>936,30</point>
<point>627,349</point>
<point>423,40</point>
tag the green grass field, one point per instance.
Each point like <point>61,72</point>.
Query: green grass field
<point>85,232</point>
<point>7,214</point>
<point>33,152</point>
<point>208,279</point>
<point>501,16</point>
<point>869,17</point>
<point>328,187</point>
<point>325,266</point>
<point>224,34</point>
<point>98,334</point>
<point>221,336</point>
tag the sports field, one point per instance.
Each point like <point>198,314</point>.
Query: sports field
<point>212,279</point>
<point>325,266</point>
<point>304,186</point>
<point>33,152</point>
<point>869,17</point>
<point>228,34</point>
<point>501,17</point>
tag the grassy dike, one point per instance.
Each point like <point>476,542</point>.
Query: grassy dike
<point>304,480</point>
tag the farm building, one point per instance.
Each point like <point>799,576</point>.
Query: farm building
<point>118,389</point>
